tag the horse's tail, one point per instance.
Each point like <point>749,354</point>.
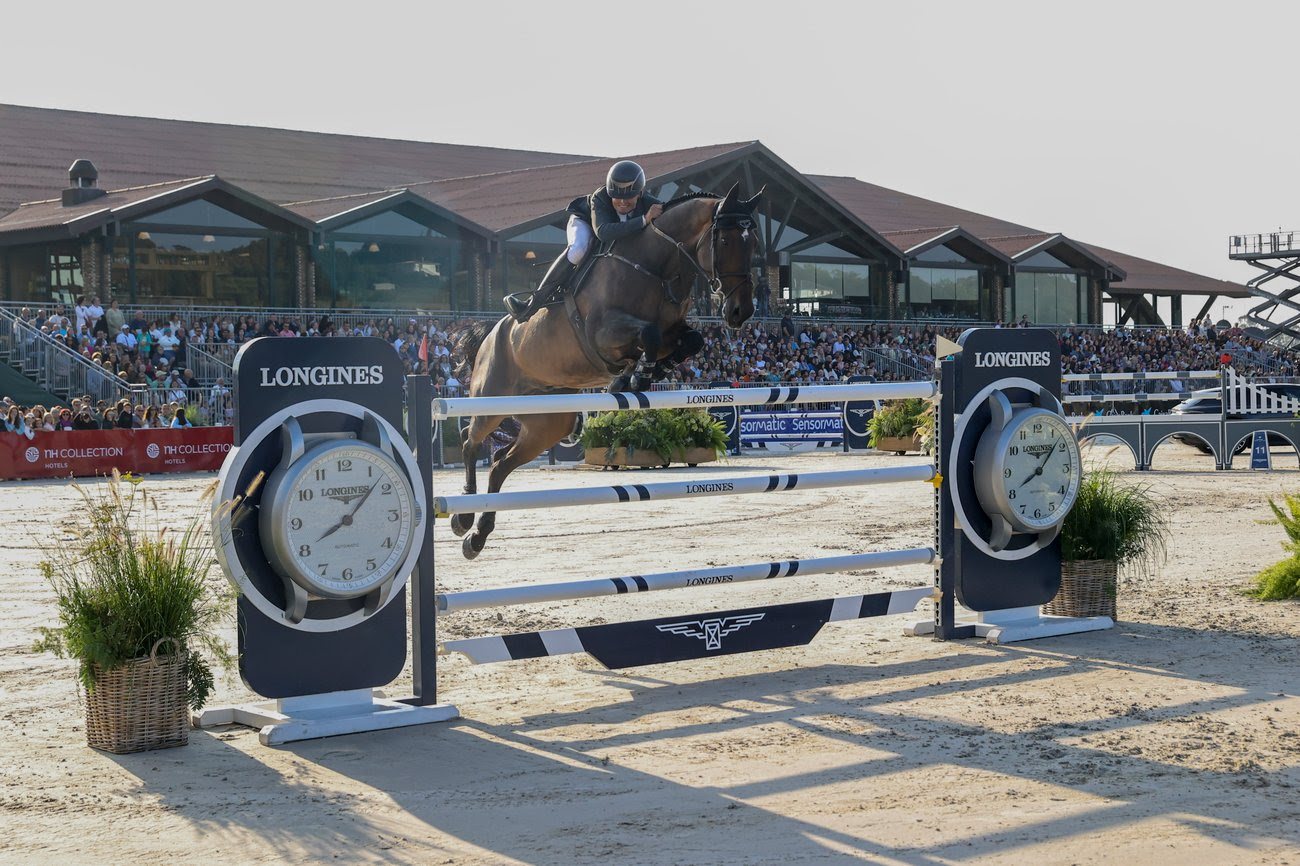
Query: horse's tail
<point>468,340</point>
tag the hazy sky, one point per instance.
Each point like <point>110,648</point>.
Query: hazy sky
<point>1156,128</point>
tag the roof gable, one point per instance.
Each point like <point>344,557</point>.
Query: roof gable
<point>49,218</point>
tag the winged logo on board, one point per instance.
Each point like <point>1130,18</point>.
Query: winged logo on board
<point>711,631</point>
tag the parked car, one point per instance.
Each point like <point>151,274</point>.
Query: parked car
<point>1209,401</point>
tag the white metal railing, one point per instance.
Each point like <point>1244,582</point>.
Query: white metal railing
<point>1268,243</point>
<point>55,367</point>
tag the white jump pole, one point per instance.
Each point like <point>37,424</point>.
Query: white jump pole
<point>542,404</point>
<point>531,594</point>
<point>561,497</point>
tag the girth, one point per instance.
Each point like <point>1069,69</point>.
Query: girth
<point>579,325</point>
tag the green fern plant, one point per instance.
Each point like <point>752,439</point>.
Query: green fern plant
<point>661,431</point>
<point>898,418</point>
<point>1282,579</point>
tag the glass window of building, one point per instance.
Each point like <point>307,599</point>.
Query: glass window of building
<point>1044,260</point>
<point>199,252</point>
<point>201,212</point>
<point>837,284</point>
<point>218,269</point>
<point>45,273</point>
<point>529,254</point>
<point>941,253</point>
<point>403,258</point>
<point>391,224</point>
<point>943,293</point>
<point>1050,298</point>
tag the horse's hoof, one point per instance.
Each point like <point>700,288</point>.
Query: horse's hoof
<point>467,546</point>
<point>461,523</point>
<point>622,383</point>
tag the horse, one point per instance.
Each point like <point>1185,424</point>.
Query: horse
<point>627,319</point>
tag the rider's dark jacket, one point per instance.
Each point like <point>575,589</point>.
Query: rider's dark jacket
<point>598,210</point>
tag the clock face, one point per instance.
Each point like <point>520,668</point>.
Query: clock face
<point>342,519</point>
<point>1035,470</point>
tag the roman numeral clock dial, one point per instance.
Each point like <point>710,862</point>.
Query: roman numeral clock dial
<point>1026,470</point>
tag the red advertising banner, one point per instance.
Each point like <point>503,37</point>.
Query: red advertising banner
<point>99,452</point>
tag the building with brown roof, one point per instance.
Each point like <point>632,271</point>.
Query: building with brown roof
<point>166,212</point>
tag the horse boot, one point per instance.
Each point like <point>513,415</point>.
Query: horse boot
<point>522,305</point>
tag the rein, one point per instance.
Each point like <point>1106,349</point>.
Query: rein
<point>714,280</point>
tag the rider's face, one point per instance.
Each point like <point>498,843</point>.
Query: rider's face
<point>625,205</point>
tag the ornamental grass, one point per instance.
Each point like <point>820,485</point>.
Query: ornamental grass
<point>1111,520</point>
<point>124,581</point>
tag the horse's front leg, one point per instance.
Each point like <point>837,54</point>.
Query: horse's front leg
<point>652,340</point>
<point>472,437</point>
<point>690,342</point>
<point>536,434</point>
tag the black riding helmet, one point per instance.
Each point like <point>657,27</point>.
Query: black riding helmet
<point>626,179</point>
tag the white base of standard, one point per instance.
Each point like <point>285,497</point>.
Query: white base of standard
<point>309,717</point>
<point>1020,623</point>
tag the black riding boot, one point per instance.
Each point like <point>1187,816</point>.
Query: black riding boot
<point>522,305</point>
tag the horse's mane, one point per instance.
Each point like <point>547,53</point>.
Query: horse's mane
<point>466,341</point>
<point>690,196</point>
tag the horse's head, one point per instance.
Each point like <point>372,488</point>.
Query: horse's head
<point>733,239</point>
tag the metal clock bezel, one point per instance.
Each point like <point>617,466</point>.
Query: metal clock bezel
<point>274,520</point>
<point>228,490</point>
<point>996,544</point>
<point>990,460</point>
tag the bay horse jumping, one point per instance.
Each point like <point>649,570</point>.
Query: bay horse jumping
<point>627,320</point>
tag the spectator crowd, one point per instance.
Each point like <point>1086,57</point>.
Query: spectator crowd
<point>84,413</point>
<point>154,354</point>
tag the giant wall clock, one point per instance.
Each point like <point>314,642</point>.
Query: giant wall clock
<point>1026,470</point>
<point>338,516</point>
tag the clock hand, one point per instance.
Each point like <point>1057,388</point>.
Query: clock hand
<point>1038,470</point>
<point>333,529</point>
<point>347,518</point>
<point>357,507</point>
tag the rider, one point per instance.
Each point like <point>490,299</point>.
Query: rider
<point>616,210</point>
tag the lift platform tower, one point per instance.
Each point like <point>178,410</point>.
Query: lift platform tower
<point>1277,254</point>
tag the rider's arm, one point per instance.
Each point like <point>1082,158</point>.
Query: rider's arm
<point>608,226</point>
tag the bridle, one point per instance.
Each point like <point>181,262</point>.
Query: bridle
<point>720,222</point>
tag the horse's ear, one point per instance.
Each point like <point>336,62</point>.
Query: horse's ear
<point>729,201</point>
<point>750,204</point>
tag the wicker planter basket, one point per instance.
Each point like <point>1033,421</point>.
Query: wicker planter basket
<point>1088,588</point>
<point>139,706</point>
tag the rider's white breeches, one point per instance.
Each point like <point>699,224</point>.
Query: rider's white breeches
<point>580,237</point>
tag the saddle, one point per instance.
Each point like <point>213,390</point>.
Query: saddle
<point>568,295</point>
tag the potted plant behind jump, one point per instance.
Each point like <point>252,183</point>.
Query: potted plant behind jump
<point>137,611</point>
<point>653,438</point>
<point>1112,525</point>
<point>894,426</point>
